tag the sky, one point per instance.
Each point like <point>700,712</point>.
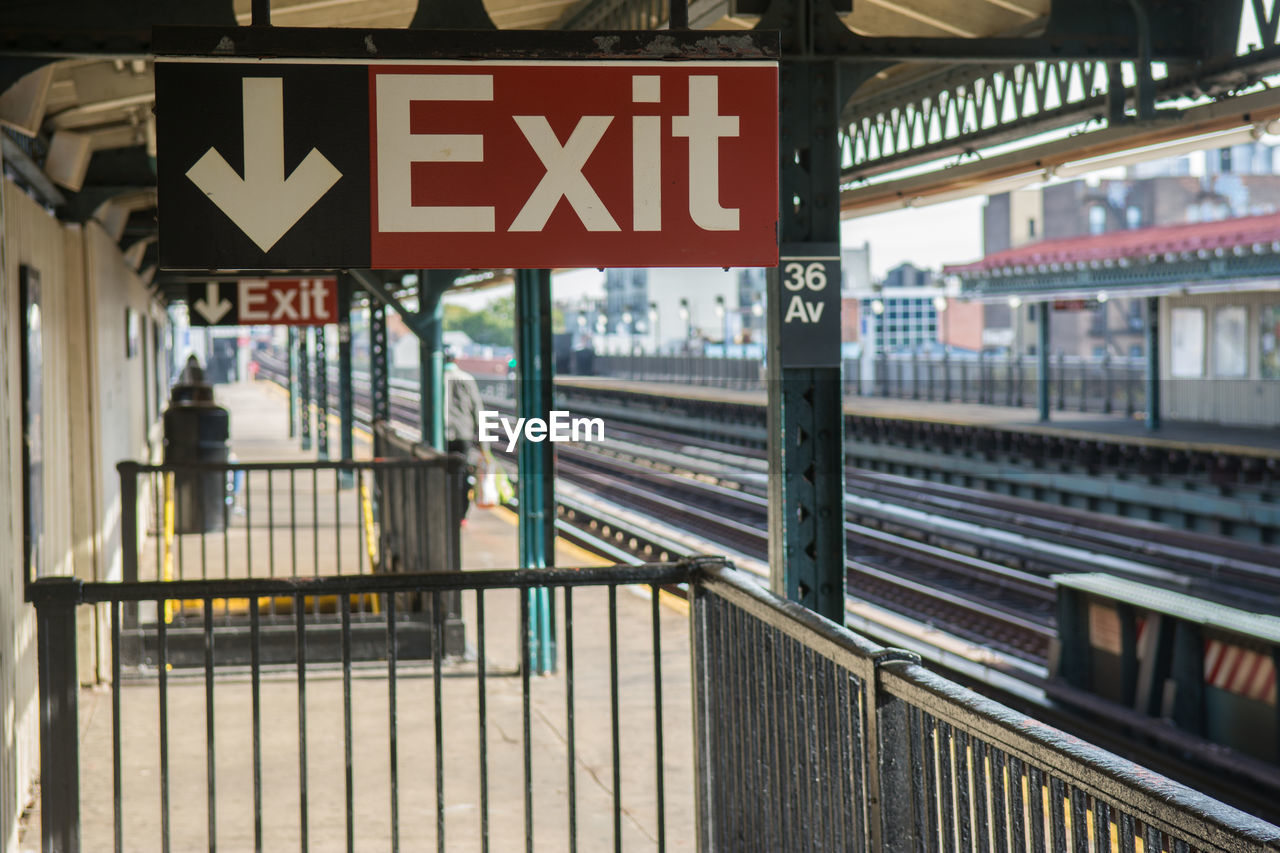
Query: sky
<point>926,236</point>
<point>930,237</point>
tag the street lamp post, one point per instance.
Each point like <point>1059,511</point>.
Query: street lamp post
<point>940,305</point>
<point>881,360</point>
<point>653,325</point>
<point>724,317</point>
<point>685,316</point>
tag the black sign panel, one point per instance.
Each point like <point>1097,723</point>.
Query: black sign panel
<point>245,155</point>
<point>808,297</point>
<point>213,304</point>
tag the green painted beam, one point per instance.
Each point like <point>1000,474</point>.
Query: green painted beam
<point>535,393</point>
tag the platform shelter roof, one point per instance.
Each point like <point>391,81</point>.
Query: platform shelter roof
<point>1229,254</point>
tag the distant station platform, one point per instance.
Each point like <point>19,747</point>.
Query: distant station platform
<point>1085,426</point>
<point>258,417</point>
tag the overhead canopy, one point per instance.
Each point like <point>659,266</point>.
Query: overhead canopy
<point>982,72</point>
<point>1229,254</point>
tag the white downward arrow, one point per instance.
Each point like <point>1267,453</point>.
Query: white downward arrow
<point>264,204</point>
<point>213,307</point>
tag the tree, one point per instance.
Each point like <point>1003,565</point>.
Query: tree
<point>493,324</point>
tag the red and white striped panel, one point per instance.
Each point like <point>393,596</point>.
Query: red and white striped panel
<point>1239,670</point>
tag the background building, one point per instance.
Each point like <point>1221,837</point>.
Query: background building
<point>1232,182</point>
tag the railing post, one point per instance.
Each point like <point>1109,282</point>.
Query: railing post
<point>890,785</point>
<point>915,373</point>
<point>55,600</point>
<point>946,373</point>
<point>1129,408</point>
<point>982,377</point>
<point>1062,381</point>
<point>129,529</point>
<point>1106,383</point>
<point>128,519</point>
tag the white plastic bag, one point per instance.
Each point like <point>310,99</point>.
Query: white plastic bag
<point>487,483</point>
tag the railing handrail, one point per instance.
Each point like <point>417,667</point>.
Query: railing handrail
<point>1151,797</point>
<point>77,591</point>
<point>439,460</point>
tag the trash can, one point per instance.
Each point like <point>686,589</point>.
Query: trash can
<point>196,430</point>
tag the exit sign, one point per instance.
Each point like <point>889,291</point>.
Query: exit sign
<point>262,301</point>
<point>334,163</point>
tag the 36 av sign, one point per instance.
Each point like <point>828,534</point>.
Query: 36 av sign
<point>457,164</point>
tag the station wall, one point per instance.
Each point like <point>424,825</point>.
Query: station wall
<point>94,411</point>
<point>1220,358</point>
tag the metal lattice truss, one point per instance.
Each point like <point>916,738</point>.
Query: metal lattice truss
<point>959,110</point>
<point>956,110</point>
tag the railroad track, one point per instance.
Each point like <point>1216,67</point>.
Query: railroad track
<point>993,592</point>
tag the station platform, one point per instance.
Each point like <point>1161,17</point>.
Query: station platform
<point>1084,426</point>
<point>489,541</point>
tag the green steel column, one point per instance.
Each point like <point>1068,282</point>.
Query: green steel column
<point>536,485</point>
<point>1042,360</point>
<point>379,376</point>
<point>291,338</point>
<point>322,394</point>
<point>304,385</point>
<point>346,396</point>
<point>430,318</point>
<point>1153,363</point>
<point>806,424</point>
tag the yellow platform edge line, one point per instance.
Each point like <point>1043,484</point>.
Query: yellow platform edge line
<point>671,600</point>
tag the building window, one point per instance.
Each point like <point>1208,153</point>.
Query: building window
<point>1133,216</point>
<point>1269,342</point>
<point>1186,343</point>
<point>1230,341</point>
<point>1031,227</point>
<point>1097,219</point>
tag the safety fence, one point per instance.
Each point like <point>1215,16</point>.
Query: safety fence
<point>804,736</point>
<point>1103,385</point>
<point>811,738</point>
<point>248,754</point>
<point>204,520</point>
<point>298,519</point>
<point>1106,385</point>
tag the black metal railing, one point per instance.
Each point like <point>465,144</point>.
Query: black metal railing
<point>181,776</point>
<point>294,519</point>
<point>1106,385</point>
<point>805,736</point>
<point>808,737</point>
<point>743,373</point>
<point>208,520</point>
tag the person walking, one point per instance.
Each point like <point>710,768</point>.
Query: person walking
<point>462,422</point>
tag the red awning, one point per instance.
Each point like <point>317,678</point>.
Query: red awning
<point>1139,243</point>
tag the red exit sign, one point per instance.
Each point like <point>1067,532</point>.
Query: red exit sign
<point>263,302</point>
<point>468,164</point>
